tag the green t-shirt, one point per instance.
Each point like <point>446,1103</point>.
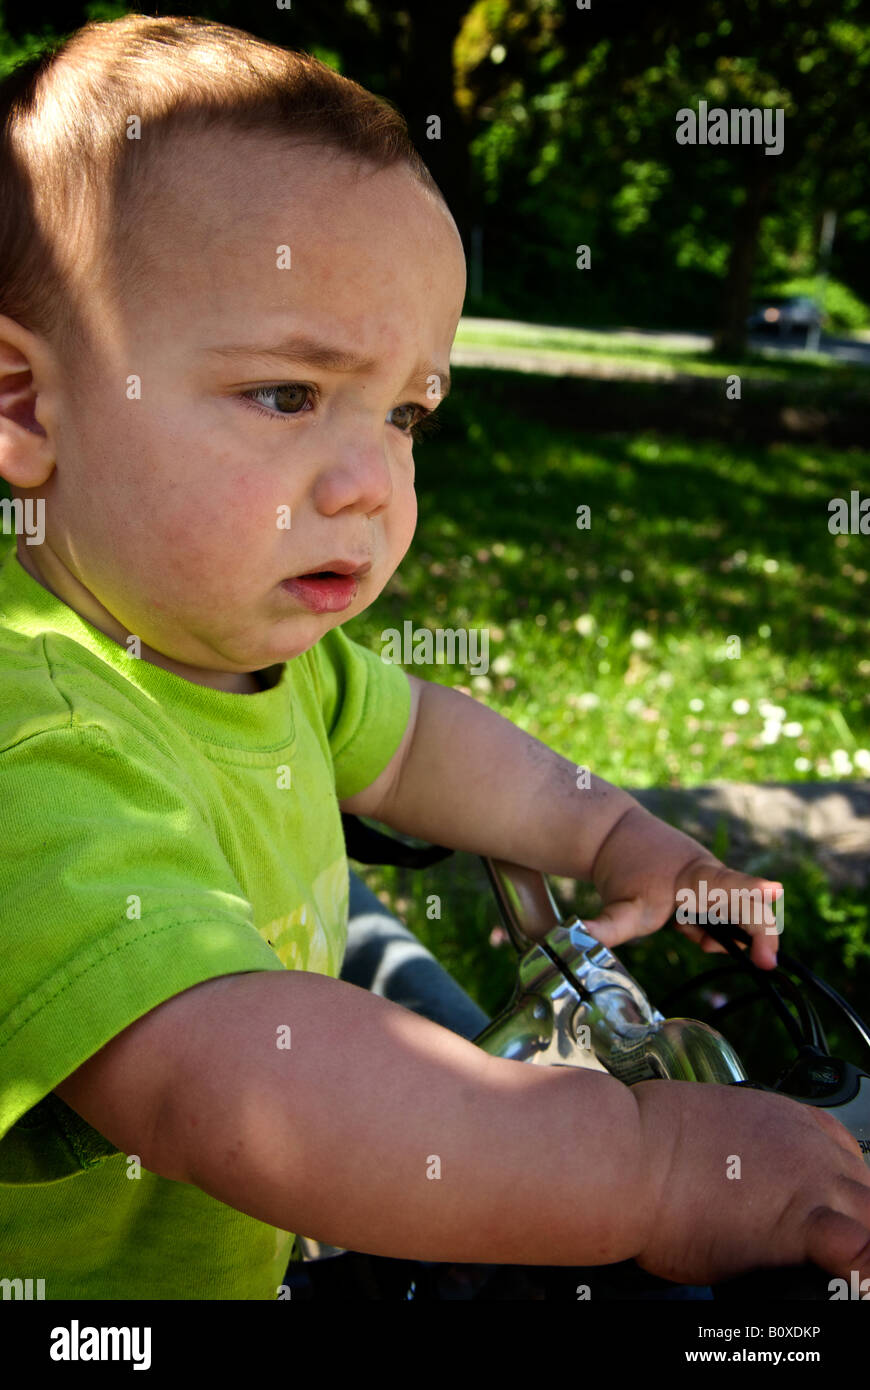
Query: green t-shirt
<point>154,833</point>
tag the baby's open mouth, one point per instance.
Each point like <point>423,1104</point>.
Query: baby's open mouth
<point>325,591</point>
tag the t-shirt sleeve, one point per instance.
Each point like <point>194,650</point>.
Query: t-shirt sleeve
<point>366,705</point>
<point>115,895</point>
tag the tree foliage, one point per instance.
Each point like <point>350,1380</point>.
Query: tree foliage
<point>557,129</point>
<point>575,114</point>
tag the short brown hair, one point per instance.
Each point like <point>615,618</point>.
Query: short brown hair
<point>73,182</point>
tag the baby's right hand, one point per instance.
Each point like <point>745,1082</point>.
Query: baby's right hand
<point>802,1194</point>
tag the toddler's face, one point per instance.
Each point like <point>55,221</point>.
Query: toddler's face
<point>162,512</point>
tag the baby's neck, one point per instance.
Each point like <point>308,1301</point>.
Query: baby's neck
<point>264,679</point>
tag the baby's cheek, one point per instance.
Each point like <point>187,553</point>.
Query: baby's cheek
<point>187,547</point>
<point>251,506</point>
<point>411,523</point>
<point>405,513</point>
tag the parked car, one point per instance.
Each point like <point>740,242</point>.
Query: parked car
<point>784,314</point>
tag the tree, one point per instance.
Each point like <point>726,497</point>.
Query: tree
<point>614,77</point>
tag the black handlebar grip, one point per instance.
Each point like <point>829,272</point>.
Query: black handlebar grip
<point>806,1282</point>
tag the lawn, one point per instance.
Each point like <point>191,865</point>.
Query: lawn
<point>706,624</point>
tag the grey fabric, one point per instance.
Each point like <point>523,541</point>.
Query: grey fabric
<point>384,957</point>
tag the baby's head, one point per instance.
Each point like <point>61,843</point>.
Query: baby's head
<point>176,191</point>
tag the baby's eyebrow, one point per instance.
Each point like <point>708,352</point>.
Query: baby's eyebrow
<point>311,352</point>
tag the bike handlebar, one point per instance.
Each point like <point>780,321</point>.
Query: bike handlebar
<point>575,1004</point>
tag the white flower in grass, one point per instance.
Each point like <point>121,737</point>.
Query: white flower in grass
<point>740,706</point>
<point>802,764</point>
<point>841,762</point>
<point>640,640</point>
<point>775,712</point>
<point>588,700</point>
<point>861,759</point>
<point>793,729</point>
<point>696,705</point>
<point>771,731</point>
<point>585,625</point>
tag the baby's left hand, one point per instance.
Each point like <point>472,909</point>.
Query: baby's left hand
<point>649,872</point>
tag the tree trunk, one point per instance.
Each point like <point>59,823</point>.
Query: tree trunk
<point>730,337</point>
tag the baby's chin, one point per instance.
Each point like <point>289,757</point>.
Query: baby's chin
<point>302,635</point>
<point>291,633</point>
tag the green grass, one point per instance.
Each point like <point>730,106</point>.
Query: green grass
<point>600,640</point>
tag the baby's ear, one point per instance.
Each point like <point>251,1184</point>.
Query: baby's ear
<point>26,452</point>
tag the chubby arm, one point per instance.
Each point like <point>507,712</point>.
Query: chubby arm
<point>379,1131</point>
<point>467,777</point>
<point>341,1136</point>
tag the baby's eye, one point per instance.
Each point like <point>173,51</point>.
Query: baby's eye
<point>408,416</point>
<point>290,397</point>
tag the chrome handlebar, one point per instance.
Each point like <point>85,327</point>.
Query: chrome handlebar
<point>576,1005</point>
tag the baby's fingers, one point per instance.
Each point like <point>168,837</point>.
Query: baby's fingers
<point>839,1243</point>
<point>719,895</point>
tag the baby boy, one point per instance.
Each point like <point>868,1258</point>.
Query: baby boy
<point>205,238</point>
